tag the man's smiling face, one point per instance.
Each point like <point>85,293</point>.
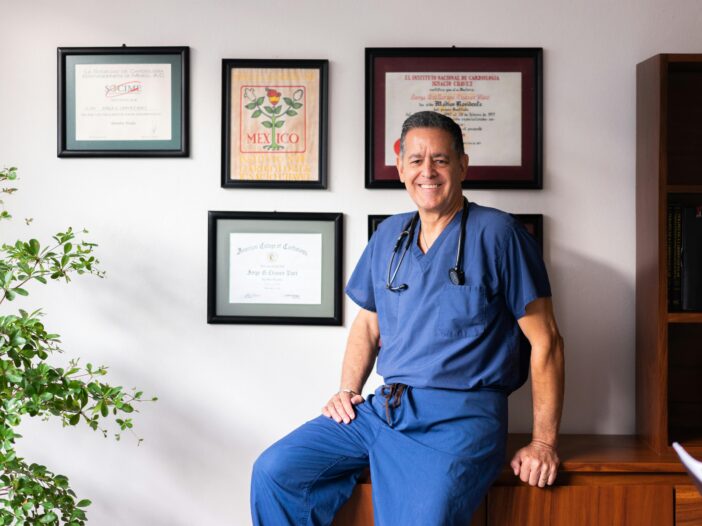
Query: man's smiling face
<point>432,170</point>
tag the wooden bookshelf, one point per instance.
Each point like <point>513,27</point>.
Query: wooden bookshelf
<point>684,188</point>
<point>668,161</point>
<point>685,317</point>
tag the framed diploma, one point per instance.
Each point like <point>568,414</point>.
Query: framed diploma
<point>275,268</point>
<point>534,223</point>
<point>123,102</point>
<point>274,123</point>
<point>494,94</point>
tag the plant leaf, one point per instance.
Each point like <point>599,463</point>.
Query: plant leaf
<point>34,247</point>
<point>49,517</point>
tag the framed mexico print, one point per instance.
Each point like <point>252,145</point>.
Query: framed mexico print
<point>274,123</point>
<point>494,94</point>
<point>123,102</point>
<point>275,268</point>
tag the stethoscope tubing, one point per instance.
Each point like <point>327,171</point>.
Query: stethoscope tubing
<point>456,274</point>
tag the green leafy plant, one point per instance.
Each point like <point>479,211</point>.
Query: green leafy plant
<point>30,386</point>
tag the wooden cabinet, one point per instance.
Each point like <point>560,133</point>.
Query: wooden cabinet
<point>688,506</point>
<point>603,480</point>
<point>595,505</point>
<point>358,510</point>
<point>668,171</point>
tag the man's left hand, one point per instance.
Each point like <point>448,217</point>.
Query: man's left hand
<point>536,464</point>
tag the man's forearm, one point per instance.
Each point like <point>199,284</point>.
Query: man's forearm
<point>547,382</point>
<point>361,351</point>
<point>537,463</point>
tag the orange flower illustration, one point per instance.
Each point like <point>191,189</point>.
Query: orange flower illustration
<point>273,96</point>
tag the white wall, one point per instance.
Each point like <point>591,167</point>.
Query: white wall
<point>226,392</point>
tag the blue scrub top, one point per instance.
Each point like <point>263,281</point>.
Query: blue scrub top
<point>437,334</point>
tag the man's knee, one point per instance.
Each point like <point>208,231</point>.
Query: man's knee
<point>270,464</point>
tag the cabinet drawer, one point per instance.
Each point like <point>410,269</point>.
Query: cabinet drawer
<point>649,505</point>
<point>688,506</point>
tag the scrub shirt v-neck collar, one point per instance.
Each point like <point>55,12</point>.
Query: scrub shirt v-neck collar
<point>424,259</point>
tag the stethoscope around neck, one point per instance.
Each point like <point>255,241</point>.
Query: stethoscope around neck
<point>456,274</point>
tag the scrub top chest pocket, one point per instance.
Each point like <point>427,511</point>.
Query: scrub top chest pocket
<point>387,304</point>
<point>461,310</point>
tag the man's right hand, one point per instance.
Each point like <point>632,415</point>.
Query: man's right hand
<point>340,406</point>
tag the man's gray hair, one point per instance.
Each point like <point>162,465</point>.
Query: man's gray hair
<point>432,119</point>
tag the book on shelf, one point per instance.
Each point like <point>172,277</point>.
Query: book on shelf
<point>691,286</point>
<point>684,257</point>
<point>674,238</point>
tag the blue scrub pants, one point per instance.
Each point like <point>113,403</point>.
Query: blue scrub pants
<point>432,459</point>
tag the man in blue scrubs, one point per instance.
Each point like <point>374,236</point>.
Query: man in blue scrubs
<point>442,315</point>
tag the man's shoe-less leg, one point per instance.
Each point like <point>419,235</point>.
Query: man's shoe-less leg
<point>304,478</point>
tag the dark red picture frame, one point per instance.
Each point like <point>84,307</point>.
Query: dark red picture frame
<point>528,61</point>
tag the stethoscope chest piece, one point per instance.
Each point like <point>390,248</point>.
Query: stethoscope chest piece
<point>457,276</point>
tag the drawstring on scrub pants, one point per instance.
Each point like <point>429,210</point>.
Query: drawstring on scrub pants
<point>395,393</point>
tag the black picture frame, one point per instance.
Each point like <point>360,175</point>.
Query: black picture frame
<point>374,221</point>
<point>379,62</point>
<point>534,223</point>
<point>277,171</point>
<point>222,310</point>
<point>103,139</point>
